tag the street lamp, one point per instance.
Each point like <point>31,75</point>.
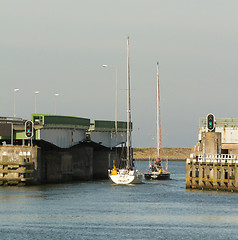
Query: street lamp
<point>36,92</point>
<point>115,68</point>
<point>15,90</point>
<point>56,95</point>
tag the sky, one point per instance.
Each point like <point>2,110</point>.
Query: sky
<point>59,46</point>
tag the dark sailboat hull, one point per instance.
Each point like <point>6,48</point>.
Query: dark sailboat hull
<point>161,176</point>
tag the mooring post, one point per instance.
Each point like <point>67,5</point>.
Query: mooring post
<point>236,175</point>
<point>200,182</point>
<point>193,174</point>
<point>188,170</point>
<point>215,175</point>
<point>222,175</point>
<point>207,174</point>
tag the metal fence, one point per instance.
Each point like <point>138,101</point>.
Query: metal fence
<point>220,122</point>
<point>216,158</point>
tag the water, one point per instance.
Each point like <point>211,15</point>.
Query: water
<point>99,210</point>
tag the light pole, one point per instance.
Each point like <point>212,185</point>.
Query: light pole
<point>36,92</point>
<point>56,95</point>
<point>115,93</point>
<point>15,90</point>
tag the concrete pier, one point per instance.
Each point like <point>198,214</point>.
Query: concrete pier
<point>212,172</point>
<point>213,165</point>
<point>19,165</point>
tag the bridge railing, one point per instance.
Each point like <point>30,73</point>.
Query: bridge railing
<point>214,158</point>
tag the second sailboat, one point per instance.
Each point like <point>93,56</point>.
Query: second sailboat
<point>156,171</point>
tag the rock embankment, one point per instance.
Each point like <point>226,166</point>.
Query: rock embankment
<point>172,154</point>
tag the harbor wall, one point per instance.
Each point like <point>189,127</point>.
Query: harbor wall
<point>19,165</point>
<point>46,163</point>
<point>213,173</point>
<point>62,165</point>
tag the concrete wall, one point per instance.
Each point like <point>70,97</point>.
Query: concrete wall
<point>82,166</point>
<point>19,164</point>
<point>212,143</point>
<point>212,174</point>
<point>50,164</point>
<point>100,166</point>
<point>108,139</point>
<point>62,165</point>
<point>76,163</point>
<point>63,138</point>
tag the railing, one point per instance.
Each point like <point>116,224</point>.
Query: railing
<point>216,158</point>
<point>220,122</point>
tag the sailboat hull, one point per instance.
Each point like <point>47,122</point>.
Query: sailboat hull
<point>157,176</point>
<point>125,176</point>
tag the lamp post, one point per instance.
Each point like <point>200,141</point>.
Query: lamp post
<point>56,95</point>
<point>36,92</point>
<point>115,68</point>
<point>15,90</point>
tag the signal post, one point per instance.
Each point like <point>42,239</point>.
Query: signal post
<point>29,129</point>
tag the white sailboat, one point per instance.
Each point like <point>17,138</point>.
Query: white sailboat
<point>128,174</point>
<point>156,171</point>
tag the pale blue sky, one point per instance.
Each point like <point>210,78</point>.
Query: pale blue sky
<point>59,46</point>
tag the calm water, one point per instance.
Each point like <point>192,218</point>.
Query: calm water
<point>99,210</point>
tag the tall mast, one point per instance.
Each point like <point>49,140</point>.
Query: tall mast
<point>158,122</point>
<point>128,109</point>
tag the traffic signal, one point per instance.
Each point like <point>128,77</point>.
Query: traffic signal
<point>29,129</point>
<point>210,122</point>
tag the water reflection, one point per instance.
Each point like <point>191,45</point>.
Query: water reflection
<point>100,210</point>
